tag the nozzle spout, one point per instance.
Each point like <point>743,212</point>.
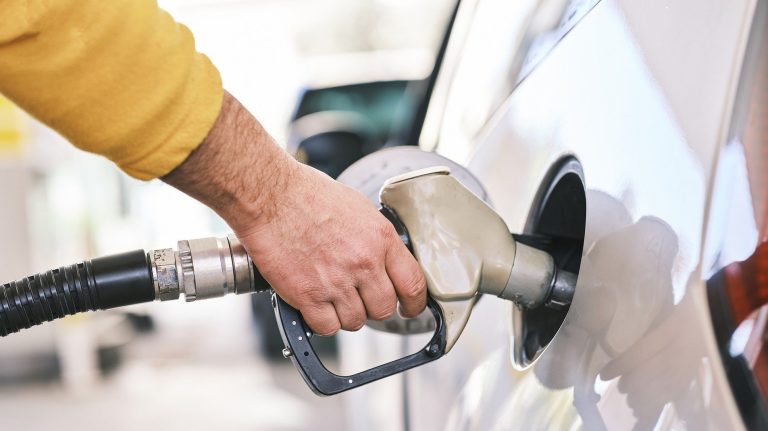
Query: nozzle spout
<point>563,287</point>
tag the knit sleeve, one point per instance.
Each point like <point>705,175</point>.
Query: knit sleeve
<point>118,78</point>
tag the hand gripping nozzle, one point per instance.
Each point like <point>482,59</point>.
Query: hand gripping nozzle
<point>464,249</point>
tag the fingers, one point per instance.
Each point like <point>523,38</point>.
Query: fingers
<point>322,318</point>
<point>350,312</point>
<point>379,297</point>
<point>376,300</point>
<point>407,279</point>
<point>326,318</point>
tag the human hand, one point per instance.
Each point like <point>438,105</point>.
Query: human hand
<point>329,253</point>
<point>320,244</point>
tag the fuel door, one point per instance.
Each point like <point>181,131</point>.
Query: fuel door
<point>555,224</point>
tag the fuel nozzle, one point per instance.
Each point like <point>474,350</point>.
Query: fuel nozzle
<point>463,245</point>
<point>465,248</point>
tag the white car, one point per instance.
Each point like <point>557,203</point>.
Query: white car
<point>631,137</point>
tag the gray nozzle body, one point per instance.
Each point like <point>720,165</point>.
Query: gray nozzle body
<point>464,246</point>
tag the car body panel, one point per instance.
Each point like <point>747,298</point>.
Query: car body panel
<point>640,93</point>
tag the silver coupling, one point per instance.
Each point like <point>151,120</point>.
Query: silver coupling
<point>202,268</point>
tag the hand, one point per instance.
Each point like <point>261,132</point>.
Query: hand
<point>329,253</point>
<point>320,244</point>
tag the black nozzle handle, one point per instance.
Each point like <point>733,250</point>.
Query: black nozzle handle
<point>296,335</point>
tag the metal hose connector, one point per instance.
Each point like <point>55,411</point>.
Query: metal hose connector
<point>204,268</point>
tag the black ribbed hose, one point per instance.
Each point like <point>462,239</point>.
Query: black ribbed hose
<point>98,284</point>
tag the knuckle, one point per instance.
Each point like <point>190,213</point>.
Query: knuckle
<point>321,322</point>
<point>312,315</point>
<point>365,260</point>
<point>386,232</point>
<point>414,286</point>
<point>380,302</point>
<point>341,285</point>
<point>384,311</point>
<point>355,322</point>
<point>328,330</point>
<point>325,328</point>
<point>312,296</point>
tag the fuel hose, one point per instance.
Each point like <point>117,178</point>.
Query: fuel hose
<point>198,269</point>
<point>98,284</point>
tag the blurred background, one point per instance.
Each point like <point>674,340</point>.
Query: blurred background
<point>316,73</point>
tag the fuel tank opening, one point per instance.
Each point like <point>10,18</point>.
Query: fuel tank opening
<point>556,225</point>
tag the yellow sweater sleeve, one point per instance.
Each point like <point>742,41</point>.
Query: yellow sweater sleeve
<point>118,78</point>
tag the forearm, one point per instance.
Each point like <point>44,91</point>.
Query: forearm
<point>238,170</point>
<point>321,245</point>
